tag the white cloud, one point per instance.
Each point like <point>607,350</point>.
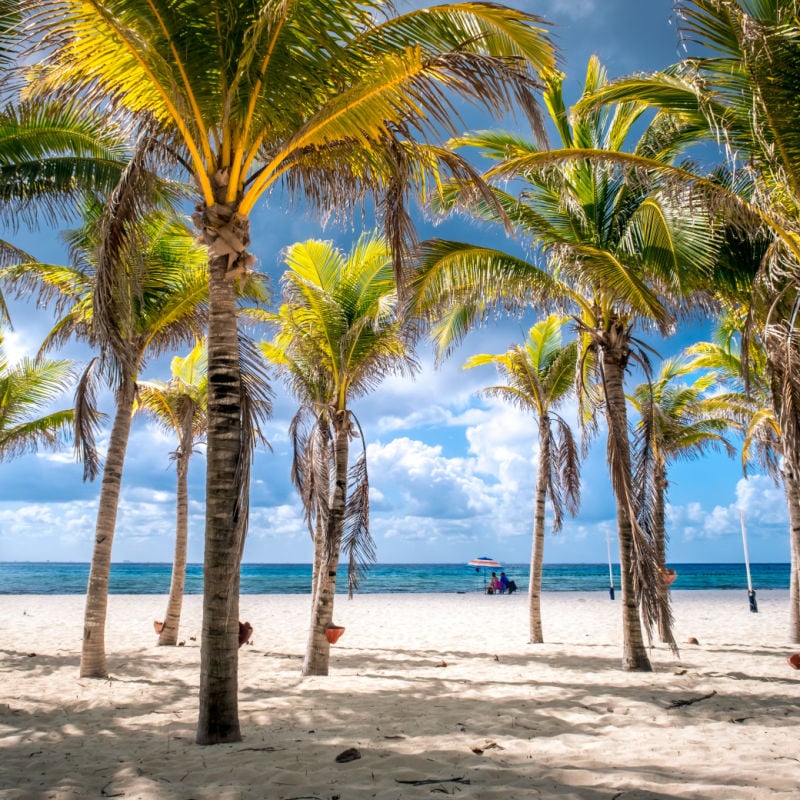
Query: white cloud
<point>277,522</point>
<point>16,346</point>
<point>762,503</point>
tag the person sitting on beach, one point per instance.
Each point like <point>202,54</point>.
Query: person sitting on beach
<point>503,583</point>
<point>494,584</point>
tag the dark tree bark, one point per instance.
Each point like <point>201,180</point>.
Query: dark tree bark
<point>218,720</point>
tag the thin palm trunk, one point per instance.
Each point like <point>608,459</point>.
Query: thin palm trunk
<point>172,618</point>
<point>317,659</point>
<point>218,719</point>
<point>792,489</point>
<point>319,549</point>
<point>634,654</point>
<point>660,547</point>
<point>537,546</point>
<point>93,653</point>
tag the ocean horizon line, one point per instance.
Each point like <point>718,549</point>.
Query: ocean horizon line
<point>404,563</point>
<point>126,577</point>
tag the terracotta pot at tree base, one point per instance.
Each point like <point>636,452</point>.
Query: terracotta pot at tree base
<point>794,661</point>
<point>333,632</point>
<point>668,576</point>
<point>245,632</point>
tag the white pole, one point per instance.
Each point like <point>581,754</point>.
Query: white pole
<point>746,556</point>
<point>610,570</point>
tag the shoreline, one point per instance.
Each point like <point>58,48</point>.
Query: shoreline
<point>419,684</point>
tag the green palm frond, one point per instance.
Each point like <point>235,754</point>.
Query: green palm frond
<point>180,405</point>
<point>26,390</point>
<point>477,281</point>
<point>52,154</point>
<point>350,77</point>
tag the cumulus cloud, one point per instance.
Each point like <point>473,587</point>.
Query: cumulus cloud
<point>145,529</point>
<point>757,498</point>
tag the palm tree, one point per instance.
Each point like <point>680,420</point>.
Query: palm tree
<point>150,299</point>
<point>332,101</point>
<point>741,89</point>
<point>539,377</point>
<point>338,334</point>
<point>26,390</point>
<point>676,421</point>
<point>620,253</point>
<point>179,406</point>
<point>747,379</point>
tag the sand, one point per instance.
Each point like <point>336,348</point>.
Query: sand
<point>442,689</point>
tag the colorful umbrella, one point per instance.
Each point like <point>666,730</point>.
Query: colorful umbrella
<point>483,561</point>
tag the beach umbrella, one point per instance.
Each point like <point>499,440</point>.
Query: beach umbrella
<point>483,561</point>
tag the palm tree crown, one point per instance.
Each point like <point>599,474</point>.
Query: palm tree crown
<point>539,377</point>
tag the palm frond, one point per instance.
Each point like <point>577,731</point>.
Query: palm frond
<point>357,542</point>
<point>87,421</point>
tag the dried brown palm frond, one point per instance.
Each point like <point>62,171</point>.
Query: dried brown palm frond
<point>87,420</point>
<point>256,407</point>
<point>357,542</point>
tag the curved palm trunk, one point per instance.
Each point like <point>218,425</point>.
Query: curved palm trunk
<point>317,659</point>
<point>792,490</point>
<point>537,547</point>
<point>93,653</point>
<point>219,720</point>
<point>660,547</point>
<point>634,654</point>
<point>172,618</point>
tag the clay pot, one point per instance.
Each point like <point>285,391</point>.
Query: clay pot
<point>668,576</point>
<point>794,661</point>
<point>245,632</point>
<point>158,626</point>
<point>333,632</point>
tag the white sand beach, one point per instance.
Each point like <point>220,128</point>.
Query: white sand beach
<point>503,718</point>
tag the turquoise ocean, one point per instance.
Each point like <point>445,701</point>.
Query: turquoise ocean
<point>133,578</point>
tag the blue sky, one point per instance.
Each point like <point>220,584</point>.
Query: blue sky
<point>452,475</point>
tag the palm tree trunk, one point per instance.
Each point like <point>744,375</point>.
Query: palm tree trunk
<point>317,659</point>
<point>319,538</point>
<point>660,546</point>
<point>792,490</point>
<point>537,547</point>
<point>634,655</point>
<point>172,618</point>
<point>93,653</point>
<point>219,717</point>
